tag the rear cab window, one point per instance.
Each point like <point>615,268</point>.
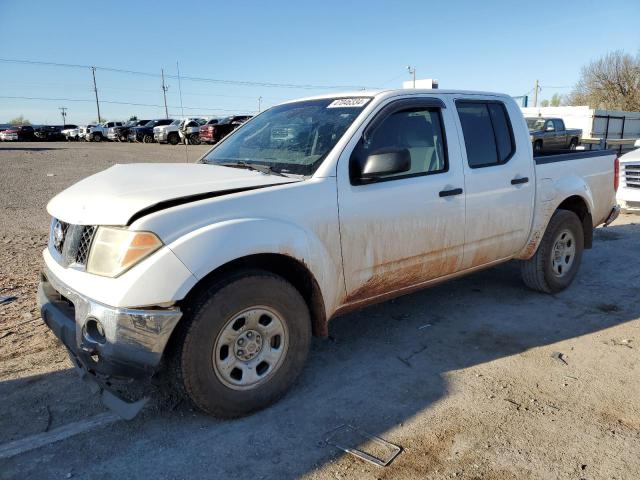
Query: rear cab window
<point>487,131</point>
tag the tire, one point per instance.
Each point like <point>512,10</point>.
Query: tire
<point>147,138</point>
<point>208,355</point>
<point>96,137</point>
<point>573,144</point>
<point>537,147</point>
<point>173,138</point>
<point>550,272</point>
<point>194,139</point>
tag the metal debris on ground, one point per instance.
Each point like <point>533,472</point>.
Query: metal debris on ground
<point>559,356</point>
<point>622,343</point>
<point>365,446</point>
<point>5,299</point>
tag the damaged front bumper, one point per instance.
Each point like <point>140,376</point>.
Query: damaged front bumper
<point>109,346</point>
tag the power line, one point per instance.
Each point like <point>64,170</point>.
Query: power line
<point>245,83</point>
<point>57,99</point>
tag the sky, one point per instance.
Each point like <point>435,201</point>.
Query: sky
<point>328,45</point>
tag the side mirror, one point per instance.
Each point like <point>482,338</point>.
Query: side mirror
<point>386,162</point>
<point>550,128</point>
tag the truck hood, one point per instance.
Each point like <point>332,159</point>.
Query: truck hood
<point>115,195</point>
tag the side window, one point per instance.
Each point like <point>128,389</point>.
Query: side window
<point>419,131</point>
<point>559,125</point>
<point>488,136</point>
<point>549,126</point>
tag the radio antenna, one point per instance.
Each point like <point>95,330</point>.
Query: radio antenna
<point>186,140</point>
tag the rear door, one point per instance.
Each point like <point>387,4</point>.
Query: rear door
<point>499,179</point>
<point>404,229</point>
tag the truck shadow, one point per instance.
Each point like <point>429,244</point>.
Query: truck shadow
<point>381,367</point>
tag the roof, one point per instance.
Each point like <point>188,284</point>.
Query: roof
<point>394,92</point>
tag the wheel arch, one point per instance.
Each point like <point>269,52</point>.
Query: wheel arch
<point>575,203</point>
<point>285,266</point>
<point>579,206</point>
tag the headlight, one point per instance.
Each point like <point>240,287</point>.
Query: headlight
<point>115,250</point>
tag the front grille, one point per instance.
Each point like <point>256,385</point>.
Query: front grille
<point>85,244</point>
<point>632,175</point>
<point>73,245</point>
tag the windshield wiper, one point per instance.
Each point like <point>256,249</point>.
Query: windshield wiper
<point>253,166</point>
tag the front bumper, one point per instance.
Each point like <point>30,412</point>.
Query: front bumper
<point>131,346</point>
<point>160,136</point>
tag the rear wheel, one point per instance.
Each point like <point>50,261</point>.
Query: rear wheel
<point>537,147</point>
<point>573,144</point>
<point>557,260</point>
<point>245,342</point>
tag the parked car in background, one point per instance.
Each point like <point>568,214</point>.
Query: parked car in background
<point>83,132</point>
<point>549,134</point>
<point>214,132</point>
<point>167,133</point>
<point>629,177</point>
<point>103,131</point>
<point>178,130</point>
<point>220,271</point>
<point>49,133</point>
<point>121,134</point>
<point>71,132</point>
<point>144,133</point>
<point>18,132</point>
<point>190,130</point>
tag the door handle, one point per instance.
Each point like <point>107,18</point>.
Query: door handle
<point>519,181</point>
<point>450,193</point>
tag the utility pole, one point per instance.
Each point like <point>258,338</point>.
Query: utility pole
<point>412,71</point>
<point>259,104</point>
<point>63,112</point>
<point>535,94</point>
<point>95,89</point>
<point>164,93</point>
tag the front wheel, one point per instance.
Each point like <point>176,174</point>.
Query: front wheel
<point>245,343</point>
<point>194,139</point>
<point>96,137</point>
<point>557,260</point>
<point>147,139</point>
<point>173,138</point>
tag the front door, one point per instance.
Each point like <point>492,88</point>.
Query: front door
<point>404,229</point>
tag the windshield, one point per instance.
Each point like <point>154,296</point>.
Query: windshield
<point>535,123</point>
<point>291,138</point>
<point>176,122</point>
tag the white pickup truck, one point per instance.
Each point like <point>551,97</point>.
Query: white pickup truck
<point>103,131</point>
<point>219,272</point>
<point>178,130</point>
<point>629,191</point>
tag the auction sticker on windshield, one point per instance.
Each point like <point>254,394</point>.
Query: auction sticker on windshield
<point>349,102</point>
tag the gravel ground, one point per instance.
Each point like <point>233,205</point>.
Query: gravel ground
<point>477,378</point>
